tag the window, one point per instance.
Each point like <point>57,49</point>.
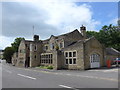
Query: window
<point>70,57</point>
<point>74,54</point>
<point>35,47</point>
<point>46,58</point>
<point>66,54</point>
<point>52,46</point>
<point>94,58</point>
<point>70,61</point>
<point>46,47</point>
<point>70,54</point>
<point>26,45</point>
<point>66,61</point>
<point>20,51</point>
<point>35,56</point>
<point>61,45</point>
<point>74,61</point>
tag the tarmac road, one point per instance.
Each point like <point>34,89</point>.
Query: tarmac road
<point>16,77</point>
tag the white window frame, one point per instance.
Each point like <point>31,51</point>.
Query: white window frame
<point>70,57</point>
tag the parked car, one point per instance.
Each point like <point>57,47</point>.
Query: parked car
<point>117,61</point>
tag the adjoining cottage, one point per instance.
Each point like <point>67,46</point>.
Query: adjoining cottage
<point>68,51</point>
<point>112,54</point>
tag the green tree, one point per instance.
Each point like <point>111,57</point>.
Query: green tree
<point>16,43</point>
<point>8,52</point>
<point>108,35</point>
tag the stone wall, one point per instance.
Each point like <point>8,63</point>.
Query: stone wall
<point>35,52</point>
<point>90,47</point>
<point>80,58</point>
<point>14,58</point>
<point>21,54</point>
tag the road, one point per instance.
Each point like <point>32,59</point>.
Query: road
<point>16,77</point>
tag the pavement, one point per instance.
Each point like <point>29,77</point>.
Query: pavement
<point>16,77</point>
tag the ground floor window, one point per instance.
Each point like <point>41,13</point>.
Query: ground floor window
<point>46,58</point>
<point>70,57</point>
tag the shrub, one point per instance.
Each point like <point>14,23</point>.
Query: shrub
<point>50,67</point>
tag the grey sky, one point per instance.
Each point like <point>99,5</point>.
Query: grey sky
<point>18,20</point>
<point>48,18</point>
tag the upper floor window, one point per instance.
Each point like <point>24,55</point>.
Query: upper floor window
<point>46,47</point>
<point>52,45</point>
<point>35,47</point>
<point>61,45</point>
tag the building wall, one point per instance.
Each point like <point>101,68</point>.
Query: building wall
<point>93,47</point>
<point>76,36</point>
<point>14,58</point>
<point>35,52</point>
<point>21,54</point>
<point>80,58</point>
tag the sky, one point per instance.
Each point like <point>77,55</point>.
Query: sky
<point>52,18</point>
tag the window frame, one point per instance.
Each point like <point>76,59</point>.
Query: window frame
<point>70,57</point>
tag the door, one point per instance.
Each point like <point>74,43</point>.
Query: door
<point>95,61</point>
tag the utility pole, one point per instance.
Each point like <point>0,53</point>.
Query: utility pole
<point>33,30</point>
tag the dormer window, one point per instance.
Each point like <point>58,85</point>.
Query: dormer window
<point>52,46</point>
<point>61,45</point>
<point>46,47</point>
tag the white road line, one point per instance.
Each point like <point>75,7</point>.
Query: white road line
<point>27,76</point>
<point>68,74</point>
<point>65,86</point>
<point>8,71</point>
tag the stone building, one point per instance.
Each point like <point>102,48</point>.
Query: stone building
<point>112,54</point>
<point>68,51</point>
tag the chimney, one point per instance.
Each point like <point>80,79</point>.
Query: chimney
<point>83,31</point>
<point>36,38</point>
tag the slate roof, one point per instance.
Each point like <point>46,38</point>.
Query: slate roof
<point>63,35</point>
<point>112,51</point>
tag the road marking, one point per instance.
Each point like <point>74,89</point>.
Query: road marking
<point>68,87</point>
<point>26,76</point>
<point>102,78</point>
<point>8,71</point>
<point>65,86</point>
<point>111,70</point>
<point>68,74</point>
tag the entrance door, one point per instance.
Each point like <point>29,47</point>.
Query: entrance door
<point>94,61</point>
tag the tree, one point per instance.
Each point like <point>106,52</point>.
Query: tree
<point>16,43</point>
<point>8,52</point>
<point>108,35</point>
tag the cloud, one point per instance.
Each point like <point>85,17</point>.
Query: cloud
<point>48,18</point>
<point>6,41</point>
<point>114,21</point>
